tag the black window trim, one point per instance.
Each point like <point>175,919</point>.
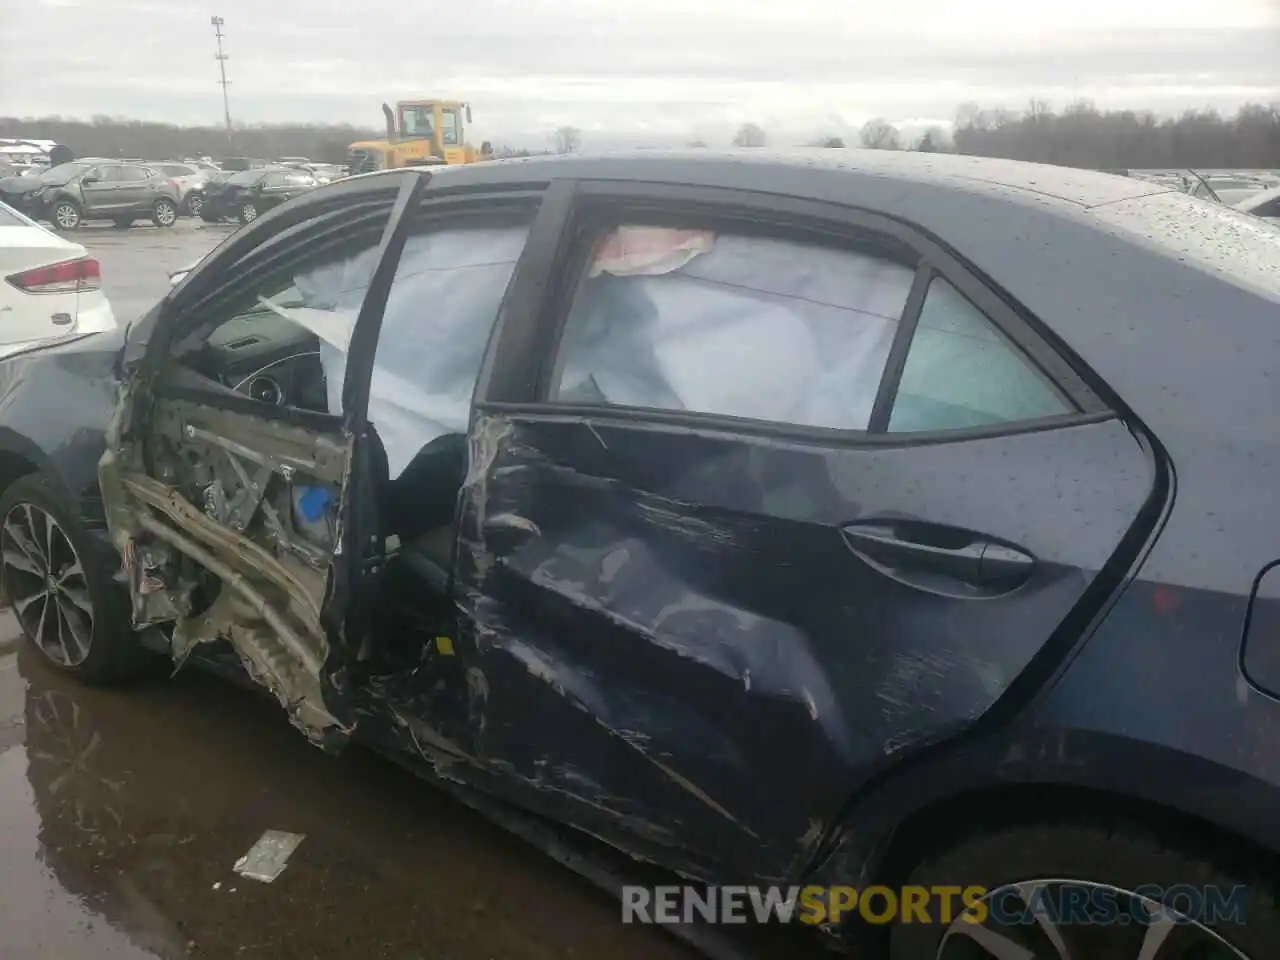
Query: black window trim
<point>521,375</point>
<point>335,226</point>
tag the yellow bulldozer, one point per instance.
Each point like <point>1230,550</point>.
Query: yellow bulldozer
<point>419,133</point>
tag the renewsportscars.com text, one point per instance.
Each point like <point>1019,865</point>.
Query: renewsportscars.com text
<point>1063,903</point>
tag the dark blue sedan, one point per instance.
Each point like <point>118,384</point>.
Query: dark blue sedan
<point>840,519</point>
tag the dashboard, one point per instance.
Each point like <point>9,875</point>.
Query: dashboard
<point>268,358</point>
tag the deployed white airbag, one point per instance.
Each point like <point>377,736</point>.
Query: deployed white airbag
<point>442,307</point>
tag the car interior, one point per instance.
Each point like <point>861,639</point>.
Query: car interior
<point>282,342</point>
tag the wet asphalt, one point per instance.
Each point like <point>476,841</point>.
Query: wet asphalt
<point>123,810</point>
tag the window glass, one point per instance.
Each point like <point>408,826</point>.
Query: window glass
<point>281,336</point>
<point>962,372</point>
<point>176,170</point>
<point>442,308</point>
<point>108,173</point>
<point>735,325</point>
<point>246,178</point>
<point>132,174</point>
<point>274,180</point>
<point>418,121</point>
<point>449,128</point>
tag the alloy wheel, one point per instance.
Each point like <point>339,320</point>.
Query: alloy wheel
<point>66,216</point>
<point>249,212</point>
<point>166,213</point>
<point>194,205</point>
<point>1032,923</point>
<point>44,581</point>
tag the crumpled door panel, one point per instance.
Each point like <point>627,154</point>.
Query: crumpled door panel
<point>229,533</point>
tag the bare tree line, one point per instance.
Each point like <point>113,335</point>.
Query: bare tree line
<point>1081,135</point>
<point>1084,136</point>
<point>119,137</point>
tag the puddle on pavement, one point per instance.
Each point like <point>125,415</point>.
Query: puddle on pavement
<point>121,808</point>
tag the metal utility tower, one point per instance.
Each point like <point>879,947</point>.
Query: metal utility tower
<point>216,22</point>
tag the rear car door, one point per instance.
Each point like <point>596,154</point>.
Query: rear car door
<point>765,496</point>
<point>236,470</point>
<point>138,187</point>
<point>280,187</point>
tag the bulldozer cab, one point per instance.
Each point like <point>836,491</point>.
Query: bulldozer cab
<point>419,133</point>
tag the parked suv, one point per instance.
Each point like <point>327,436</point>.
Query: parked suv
<point>190,180</point>
<point>71,193</point>
<point>249,193</point>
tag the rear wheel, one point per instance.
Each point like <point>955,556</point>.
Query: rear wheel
<point>194,205</point>
<point>65,214</point>
<point>164,213</point>
<point>64,601</point>
<point>248,212</point>
<point>1074,892</point>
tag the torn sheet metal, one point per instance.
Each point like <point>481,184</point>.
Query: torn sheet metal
<point>268,857</point>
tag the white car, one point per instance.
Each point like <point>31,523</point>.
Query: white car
<point>50,288</point>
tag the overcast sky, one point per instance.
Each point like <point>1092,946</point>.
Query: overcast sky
<point>661,70</point>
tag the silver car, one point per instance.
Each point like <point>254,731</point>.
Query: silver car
<point>190,180</point>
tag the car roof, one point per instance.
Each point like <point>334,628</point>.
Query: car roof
<point>1085,188</point>
<point>968,202</point>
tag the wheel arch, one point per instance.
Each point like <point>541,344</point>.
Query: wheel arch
<point>938,826</point>
<point>1051,776</point>
<point>20,457</point>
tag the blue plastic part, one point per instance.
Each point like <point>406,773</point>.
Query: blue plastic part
<point>313,502</point>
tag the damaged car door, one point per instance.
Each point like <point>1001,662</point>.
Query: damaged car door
<point>236,476</point>
<point>789,496</point>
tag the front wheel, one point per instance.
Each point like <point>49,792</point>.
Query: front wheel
<point>248,212</point>
<point>164,213</point>
<point>63,599</point>
<point>65,215</point>
<point>1073,892</point>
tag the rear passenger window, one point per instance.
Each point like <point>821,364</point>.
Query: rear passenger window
<point>961,372</point>
<point>731,324</point>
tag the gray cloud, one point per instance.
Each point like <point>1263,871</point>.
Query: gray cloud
<point>661,69</point>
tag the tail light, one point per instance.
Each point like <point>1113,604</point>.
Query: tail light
<point>71,276</point>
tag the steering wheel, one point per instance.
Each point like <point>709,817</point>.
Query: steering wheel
<point>267,389</point>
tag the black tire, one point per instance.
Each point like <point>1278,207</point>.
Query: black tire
<point>65,214</point>
<point>114,652</point>
<point>123,223</point>
<point>1126,857</point>
<point>194,205</point>
<point>164,213</point>
<point>248,212</point>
